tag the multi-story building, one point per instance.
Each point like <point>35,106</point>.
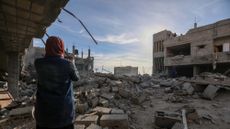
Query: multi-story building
<point>201,49</point>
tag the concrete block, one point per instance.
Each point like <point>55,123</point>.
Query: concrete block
<point>119,121</point>
<point>86,119</point>
<point>77,126</point>
<point>210,92</point>
<point>188,88</point>
<point>82,108</point>
<point>165,119</point>
<point>117,111</point>
<point>93,126</point>
<point>102,110</point>
<point>21,111</point>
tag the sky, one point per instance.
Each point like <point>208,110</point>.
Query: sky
<point>124,28</point>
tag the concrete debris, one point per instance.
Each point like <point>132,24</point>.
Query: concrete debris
<point>87,119</point>
<point>165,119</point>
<point>102,110</point>
<point>210,92</point>
<point>21,111</point>
<point>105,101</point>
<point>187,87</point>
<point>119,121</point>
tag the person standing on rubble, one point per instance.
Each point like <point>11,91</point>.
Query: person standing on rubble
<point>54,106</point>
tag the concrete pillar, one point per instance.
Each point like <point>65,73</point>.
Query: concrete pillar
<point>13,74</point>
<point>195,70</point>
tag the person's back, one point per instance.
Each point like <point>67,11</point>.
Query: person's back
<point>54,107</point>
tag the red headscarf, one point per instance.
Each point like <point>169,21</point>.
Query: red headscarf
<point>54,47</point>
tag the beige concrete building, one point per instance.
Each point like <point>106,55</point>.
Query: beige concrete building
<point>127,71</point>
<point>201,49</point>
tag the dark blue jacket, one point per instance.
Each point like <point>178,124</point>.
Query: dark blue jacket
<point>54,107</point>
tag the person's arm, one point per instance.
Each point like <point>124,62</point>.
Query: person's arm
<point>74,75</point>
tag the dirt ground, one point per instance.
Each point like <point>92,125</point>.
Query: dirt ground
<point>218,109</point>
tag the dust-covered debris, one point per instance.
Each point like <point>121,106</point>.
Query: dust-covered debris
<point>138,102</point>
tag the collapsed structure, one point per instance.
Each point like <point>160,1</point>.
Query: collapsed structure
<point>201,49</point>
<point>84,65</point>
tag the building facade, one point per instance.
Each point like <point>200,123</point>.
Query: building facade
<point>127,71</point>
<point>201,49</point>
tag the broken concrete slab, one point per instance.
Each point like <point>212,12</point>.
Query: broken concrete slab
<point>102,110</point>
<point>21,111</point>
<point>210,92</point>
<point>93,126</point>
<point>119,121</point>
<point>117,111</point>
<point>166,119</point>
<point>86,119</point>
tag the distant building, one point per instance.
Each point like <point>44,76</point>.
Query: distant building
<point>201,49</point>
<point>84,65</point>
<point>128,71</point>
<point>31,54</point>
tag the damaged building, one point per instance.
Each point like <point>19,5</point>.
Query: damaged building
<point>201,49</point>
<point>84,65</point>
<point>21,21</point>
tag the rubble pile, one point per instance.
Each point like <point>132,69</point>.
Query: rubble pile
<point>105,101</point>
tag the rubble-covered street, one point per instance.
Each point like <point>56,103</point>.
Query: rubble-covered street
<point>137,102</point>
<point>114,64</point>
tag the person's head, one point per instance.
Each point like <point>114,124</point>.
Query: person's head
<point>54,47</point>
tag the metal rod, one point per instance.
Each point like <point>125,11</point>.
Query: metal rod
<point>70,13</point>
<point>184,119</point>
<point>43,41</point>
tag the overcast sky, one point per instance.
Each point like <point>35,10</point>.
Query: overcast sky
<point>124,28</point>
